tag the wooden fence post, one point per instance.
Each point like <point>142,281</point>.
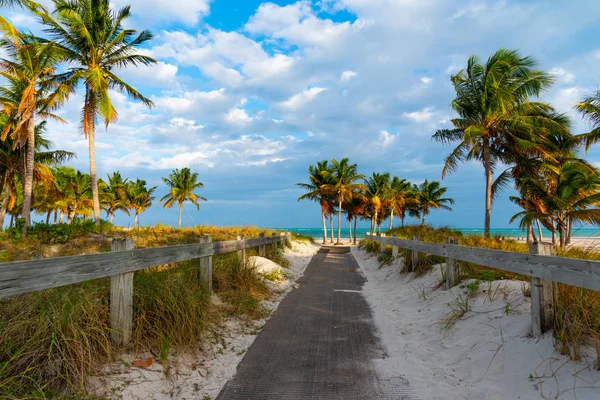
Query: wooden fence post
<point>261,248</point>
<point>121,298</point>
<point>206,266</point>
<point>451,267</point>
<point>542,295</point>
<point>283,235</point>
<point>395,248</point>
<point>382,247</point>
<point>415,256</point>
<point>242,251</point>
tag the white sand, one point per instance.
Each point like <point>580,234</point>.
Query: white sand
<point>486,354</point>
<point>200,374</point>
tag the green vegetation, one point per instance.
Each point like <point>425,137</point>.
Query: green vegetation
<point>51,340</point>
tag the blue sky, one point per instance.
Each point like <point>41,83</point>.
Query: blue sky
<point>249,93</point>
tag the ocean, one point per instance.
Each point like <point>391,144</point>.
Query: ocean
<point>507,232</point>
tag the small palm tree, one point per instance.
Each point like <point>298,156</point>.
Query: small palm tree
<point>495,114</point>
<point>343,176</point>
<point>91,35</point>
<point>319,177</point>
<point>139,198</point>
<point>182,185</point>
<point>399,197</point>
<point>377,191</point>
<point>430,195</point>
<point>114,195</point>
<point>32,92</point>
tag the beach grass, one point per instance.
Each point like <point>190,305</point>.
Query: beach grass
<point>51,340</point>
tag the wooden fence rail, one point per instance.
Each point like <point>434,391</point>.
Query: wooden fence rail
<point>19,277</point>
<point>540,264</point>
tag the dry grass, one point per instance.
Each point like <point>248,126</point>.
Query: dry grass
<point>51,340</point>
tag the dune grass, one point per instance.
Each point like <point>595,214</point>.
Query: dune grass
<point>50,341</point>
<point>577,310</point>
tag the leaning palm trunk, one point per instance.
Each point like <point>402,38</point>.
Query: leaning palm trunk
<point>180,211</point>
<point>391,219</point>
<point>136,222</point>
<point>569,231</point>
<point>339,226</point>
<point>93,178</point>
<point>539,226</point>
<point>529,236</point>
<point>535,240</point>
<point>488,186</point>
<point>355,218</point>
<point>28,185</point>
<point>112,216</point>
<point>331,226</point>
<point>324,227</point>
<point>349,230</point>
<point>4,206</point>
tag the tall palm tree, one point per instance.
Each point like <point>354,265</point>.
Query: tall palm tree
<point>32,92</point>
<point>92,37</point>
<point>182,185</point>
<point>495,113</point>
<point>319,177</point>
<point>139,198</point>
<point>343,176</point>
<point>430,195</point>
<point>377,187</point>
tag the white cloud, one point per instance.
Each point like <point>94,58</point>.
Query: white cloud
<point>426,80</point>
<point>192,101</point>
<point>562,75</point>
<point>297,101</point>
<point>186,11</point>
<point>238,116</point>
<point>347,75</point>
<point>421,116</point>
<point>386,139</point>
<point>159,74</point>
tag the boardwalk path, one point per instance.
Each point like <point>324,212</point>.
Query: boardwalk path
<point>320,343</point>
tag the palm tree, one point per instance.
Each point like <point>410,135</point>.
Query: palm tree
<point>32,92</point>
<point>343,176</point>
<point>181,189</point>
<point>139,198</point>
<point>590,109</point>
<point>430,195</point>
<point>495,114</point>
<point>399,197</point>
<point>318,177</point>
<point>92,37</point>
<point>114,195</point>
<point>377,188</point>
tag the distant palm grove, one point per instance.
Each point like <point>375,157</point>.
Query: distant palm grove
<point>339,188</point>
<point>500,123</point>
<point>88,37</point>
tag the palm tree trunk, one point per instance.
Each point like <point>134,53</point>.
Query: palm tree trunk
<point>339,239</point>
<point>533,234</point>
<point>553,232</point>
<point>402,216</point>
<point>135,220</point>
<point>324,227</point>
<point>529,231</point>
<point>12,220</point>
<point>4,206</point>
<point>537,221</point>
<point>61,217</point>
<point>55,216</point>
<point>112,216</point>
<point>3,182</point>
<point>391,219</point>
<point>28,186</point>
<point>94,179</point>
<point>48,217</point>
<point>488,186</point>
<point>355,218</point>
<point>569,230</point>
<point>423,220</point>
<point>180,211</point>
<point>372,225</point>
<point>331,226</point>
<point>350,230</point>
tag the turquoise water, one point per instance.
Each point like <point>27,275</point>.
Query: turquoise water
<point>507,232</point>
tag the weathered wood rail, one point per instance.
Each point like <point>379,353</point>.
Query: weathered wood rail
<point>19,277</point>
<point>540,264</point>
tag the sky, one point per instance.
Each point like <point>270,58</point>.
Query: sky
<point>249,94</point>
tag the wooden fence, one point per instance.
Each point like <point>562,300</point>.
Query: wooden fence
<point>540,264</point>
<point>20,277</point>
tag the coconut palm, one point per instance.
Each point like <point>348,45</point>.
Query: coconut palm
<point>377,187</point>
<point>398,198</point>
<point>92,37</point>
<point>430,196</point>
<point>139,198</point>
<point>496,116</point>
<point>32,92</point>
<point>182,185</point>
<point>114,195</point>
<point>590,110</point>
<point>317,190</point>
<point>343,186</point>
